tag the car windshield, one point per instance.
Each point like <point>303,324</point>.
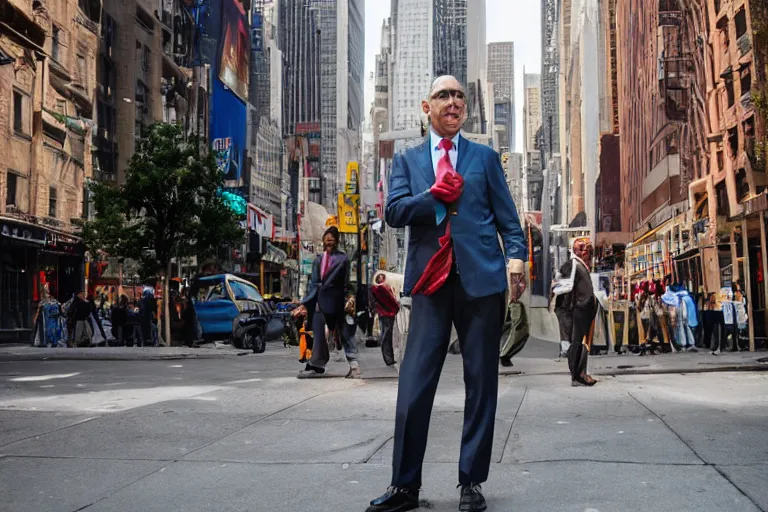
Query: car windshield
<point>210,291</point>
<point>245,291</point>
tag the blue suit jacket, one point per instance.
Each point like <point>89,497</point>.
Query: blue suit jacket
<point>329,294</point>
<point>484,211</point>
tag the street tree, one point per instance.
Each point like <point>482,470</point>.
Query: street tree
<point>170,206</point>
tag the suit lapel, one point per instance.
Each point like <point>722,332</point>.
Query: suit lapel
<point>424,160</point>
<point>466,154</point>
<point>334,268</point>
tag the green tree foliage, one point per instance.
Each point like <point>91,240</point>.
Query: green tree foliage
<point>170,205</point>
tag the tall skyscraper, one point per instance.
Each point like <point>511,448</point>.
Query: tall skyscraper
<point>531,125</point>
<point>342,63</point>
<point>433,38</point>
<point>550,70</point>
<point>501,73</point>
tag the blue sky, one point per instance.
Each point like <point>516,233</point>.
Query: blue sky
<point>507,20</point>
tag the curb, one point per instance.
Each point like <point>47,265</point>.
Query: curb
<point>610,372</point>
<point>97,357</point>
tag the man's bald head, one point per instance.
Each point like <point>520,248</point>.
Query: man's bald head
<point>444,82</point>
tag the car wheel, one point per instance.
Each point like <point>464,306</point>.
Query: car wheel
<point>255,341</point>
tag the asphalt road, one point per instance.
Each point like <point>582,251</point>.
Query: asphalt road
<point>243,434</point>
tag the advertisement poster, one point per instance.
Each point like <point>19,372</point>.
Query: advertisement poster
<point>349,206</point>
<point>235,48</point>
<point>228,125</point>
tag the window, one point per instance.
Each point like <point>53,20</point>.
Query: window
<point>82,69</point>
<point>18,112</point>
<point>10,189</point>
<point>746,81</point>
<point>243,291</point>
<point>56,43</point>
<point>145,54</point>
<point>52,202</point>
<point>741,23</point>
<point>729,91</point>
<point>733,141</point>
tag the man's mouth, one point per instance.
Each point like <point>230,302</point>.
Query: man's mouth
<point>451,115</point>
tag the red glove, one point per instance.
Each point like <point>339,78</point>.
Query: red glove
<point>449,189</point>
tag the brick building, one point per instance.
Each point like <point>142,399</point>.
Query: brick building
<point>47,86</point>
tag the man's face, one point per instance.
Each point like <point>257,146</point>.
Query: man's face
<point>380,279</point>
<point>446,107</point>
<point>329,243</point>
<point>583,249</point>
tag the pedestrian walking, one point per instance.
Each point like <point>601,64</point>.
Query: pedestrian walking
<point>119,318</point>
<point>577,308</point>
<point>81,314</point>
<point>387,307</point>
<point>452,195</point>
<point>330,300</point>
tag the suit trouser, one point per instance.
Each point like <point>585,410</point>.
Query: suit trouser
<point>478,324</point>
<point>582,318</point>
<point>320,352</point>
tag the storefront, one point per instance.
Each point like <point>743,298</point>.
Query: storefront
<point>34,259</point>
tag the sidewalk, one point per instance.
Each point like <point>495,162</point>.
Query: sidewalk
<point>30,353</point>
<point>538,358</point>
<point>534,360</point>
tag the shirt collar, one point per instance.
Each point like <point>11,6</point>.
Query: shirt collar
<point>434,140</point>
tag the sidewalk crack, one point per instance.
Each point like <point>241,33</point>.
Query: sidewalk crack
<point>512,425</point>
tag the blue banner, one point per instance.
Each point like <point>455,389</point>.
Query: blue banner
<point>228,130</point>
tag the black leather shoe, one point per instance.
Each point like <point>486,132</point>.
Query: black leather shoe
<point>396,499</point>
<point>472,499</point>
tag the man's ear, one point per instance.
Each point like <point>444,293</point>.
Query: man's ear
<point>425,107</point>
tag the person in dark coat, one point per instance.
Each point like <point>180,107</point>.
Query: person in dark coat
<point>81,314</point>
<point>576,310</point>
<point>330,301</point>
<point>466,251</point>
<point>119,318</point>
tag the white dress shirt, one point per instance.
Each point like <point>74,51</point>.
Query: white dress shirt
<point>437,153</point>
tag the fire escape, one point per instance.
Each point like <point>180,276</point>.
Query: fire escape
<point>675,62</point>
<point>676,68</point>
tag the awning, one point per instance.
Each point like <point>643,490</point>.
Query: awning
<point>652,232</point>
<point>687,255</point>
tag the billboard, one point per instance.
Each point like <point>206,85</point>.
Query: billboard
<point>228,131</point>
<point>234,50</point>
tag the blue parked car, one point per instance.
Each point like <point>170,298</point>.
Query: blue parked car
<point>220,299</point>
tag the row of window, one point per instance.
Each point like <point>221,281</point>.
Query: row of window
<point>14,184</point>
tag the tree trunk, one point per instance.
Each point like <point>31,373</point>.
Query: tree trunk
<point>166,304</point>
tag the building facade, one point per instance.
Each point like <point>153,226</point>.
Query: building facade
<point>48,53</point>
<point>532,177</point>
<point>342,63</point>
<point>501,73</point>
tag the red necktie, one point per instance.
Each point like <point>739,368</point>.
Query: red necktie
<point>439,266</point>
<point>325,264</point>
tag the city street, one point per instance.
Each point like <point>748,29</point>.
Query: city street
<point>242,433</point>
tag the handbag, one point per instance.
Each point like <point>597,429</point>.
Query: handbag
<point>564,285</point>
